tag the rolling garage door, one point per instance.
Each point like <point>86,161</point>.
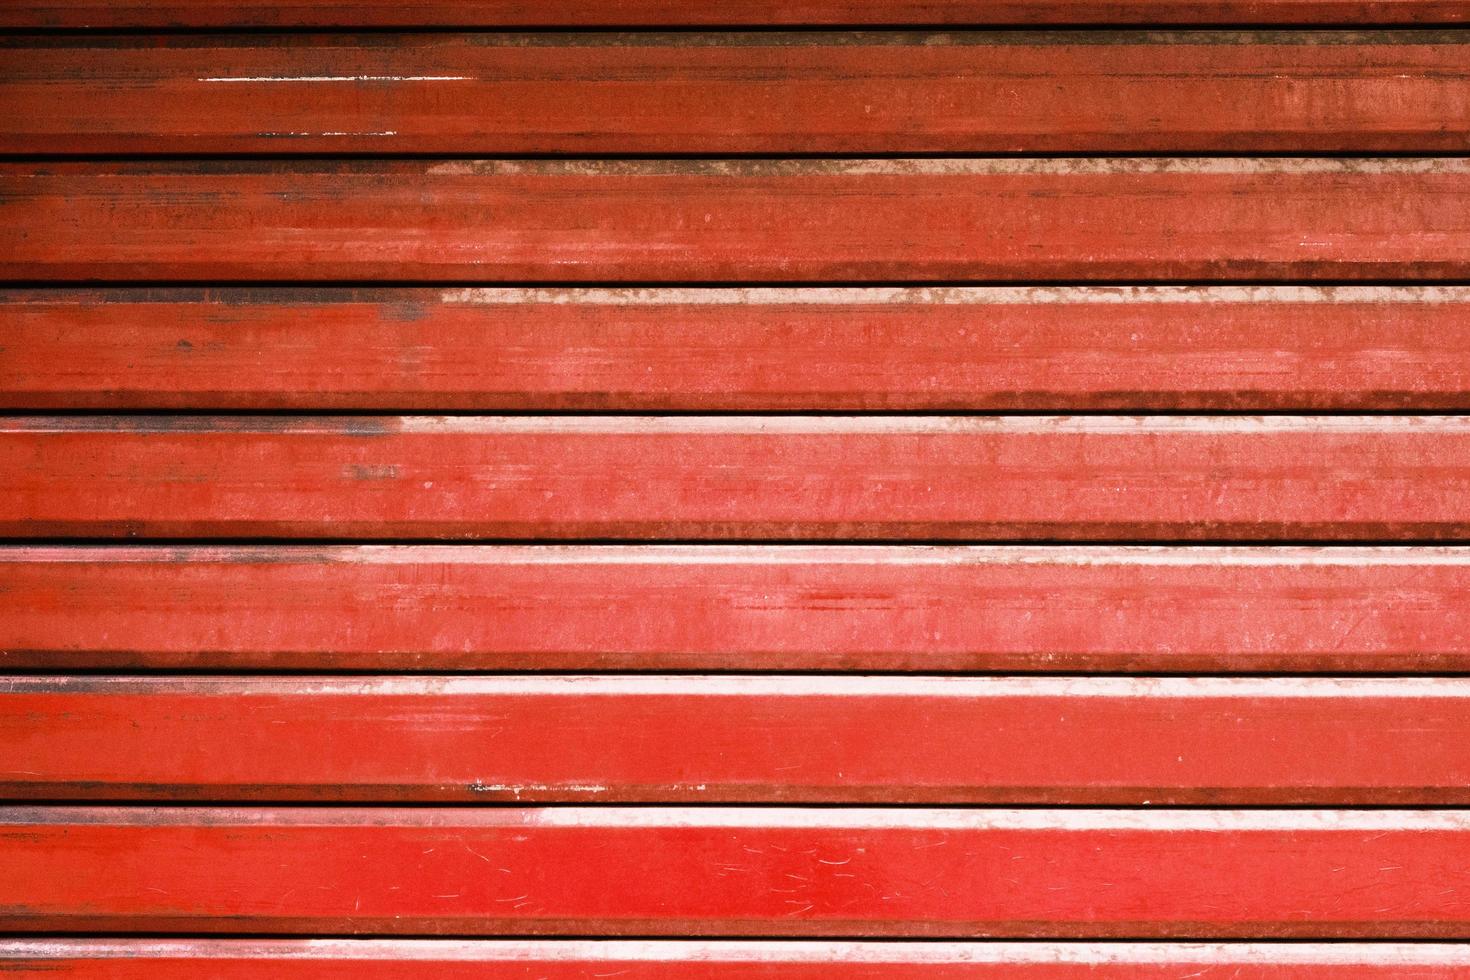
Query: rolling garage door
<point>823,490</point>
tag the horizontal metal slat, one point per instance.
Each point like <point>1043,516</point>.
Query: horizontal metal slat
<point>785,739</point>
<point>754,608</point>
<point>710,221</point>
<point>1060,348</point>
<point>734,477</point>
<point>771,93</point>
<point>756,872</point>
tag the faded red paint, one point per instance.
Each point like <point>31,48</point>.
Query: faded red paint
<point>802,348</point>
<point>769,604</point>
<point>1332,478</point>
<point>765,608</point>
<point>712,221</point>
<point>958,92</point>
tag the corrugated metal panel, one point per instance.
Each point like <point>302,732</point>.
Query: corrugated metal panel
<point>1024,332</point>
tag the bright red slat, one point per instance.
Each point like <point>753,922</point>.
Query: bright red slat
<point>738,739</point>
<point>774,93</point>
<point>1159,478</point>
<point>746,608</point>
<point>711,871</point>
<point>434,220</point>
<point>490,959</point>
<point>756,13</point>
<point>802,348</point>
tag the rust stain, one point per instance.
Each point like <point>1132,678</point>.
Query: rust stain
<point>371,472</point>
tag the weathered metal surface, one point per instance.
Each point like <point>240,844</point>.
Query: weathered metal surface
<point>750,608</point>
<point>959,92</point>
<point>752,13</point>
<point>669,738</point>
<point>738,477</point>
<point>692,220</point>
<point>737,872</point>
<point>1060,348</point>
<point>176,229</point>
<point>491,959</point>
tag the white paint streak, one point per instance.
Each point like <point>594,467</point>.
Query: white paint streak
<point>836,426</point>
<point>1063,166</point>
<point>958,295</point>
<point>337,78</point>
<point>1089,556</point>
<point>756,818</point>
<point>854,686</point>
<point>385,132</point>
<point>748,951</point>
<point>1161,821</point>
<point>845,425</point>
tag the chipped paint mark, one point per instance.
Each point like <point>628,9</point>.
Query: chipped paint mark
<point>370,472</point>
<point>517,789</point>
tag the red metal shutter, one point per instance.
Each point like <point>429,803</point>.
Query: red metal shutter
<point>821,490</point>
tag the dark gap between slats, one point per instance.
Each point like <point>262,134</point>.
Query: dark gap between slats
<point>365,673</point>
<point>383,284</point>
<point>1423,26</point>
<point>259,804</point>
<point>309,413</point>
<point>44,158</point>
<point>1183,940</point>
<point>227,541</point>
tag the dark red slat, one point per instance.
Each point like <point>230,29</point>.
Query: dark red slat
<point>367,959</point>
<point>1158,478</point>
<point>1286,347</point>
<point>773,93</point>
<point>757,872</point>
<point>737,220</point>
<point>748,608</point>
<point>787,739</point>
<point>754,13</point>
